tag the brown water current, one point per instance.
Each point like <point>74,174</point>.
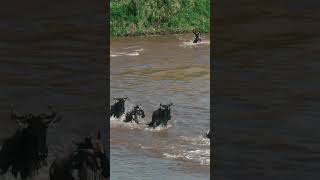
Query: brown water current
<point>154,70</point>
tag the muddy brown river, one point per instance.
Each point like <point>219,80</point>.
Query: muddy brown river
<point>154,70</point>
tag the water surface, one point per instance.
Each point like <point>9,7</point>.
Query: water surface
<point>154,70</point>
<point>266,90</point>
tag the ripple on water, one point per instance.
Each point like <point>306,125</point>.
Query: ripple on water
<point>164,71</point>
<point>129,51</point>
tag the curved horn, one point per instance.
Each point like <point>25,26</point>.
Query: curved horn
<point>14,116</point>
<point>50,117</point>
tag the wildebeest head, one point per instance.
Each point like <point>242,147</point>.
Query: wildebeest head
<point>121,99</point>
<point>166,106</point>
<point>36,127</point>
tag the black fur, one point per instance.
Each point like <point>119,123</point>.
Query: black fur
<point>161,116</point>
<point>26,151</point>
<point>88,154</point>
<point>197,37</point>
<point>133,115</point>
<point>118,109</point>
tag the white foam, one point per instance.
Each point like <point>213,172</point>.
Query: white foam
<point>138,50</point>
<point>196,149</point>
<point>158,128</point>
<point>117,54</point>
<point>134,52</point>
<point>200,140</point>
<point>191,44</point>
<point>118,122</point>
<point>202,156</point>
<point>172,156</point>
<point>130,47</point>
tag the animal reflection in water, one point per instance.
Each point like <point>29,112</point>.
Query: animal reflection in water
<point>161,116</point>
<point>26,151</point>
<point>118,109</point>
<point>134,113</point>
<point>89,156</point>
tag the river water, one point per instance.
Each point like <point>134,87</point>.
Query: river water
<point>150,71</point>
<point>53,58</point>
<point>266,61</point>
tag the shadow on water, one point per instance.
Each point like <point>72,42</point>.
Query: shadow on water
<point>266,92</point>
<point>53,55</point>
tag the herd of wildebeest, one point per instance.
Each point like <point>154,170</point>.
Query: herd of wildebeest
<point>160,116</point>
<point>26,152</point>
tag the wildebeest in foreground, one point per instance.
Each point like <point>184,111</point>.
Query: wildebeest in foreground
<point>133,114</point>
<point>118,109</point>
<point>89,156</point>
<point>161,116</point>
<point>26,151</point>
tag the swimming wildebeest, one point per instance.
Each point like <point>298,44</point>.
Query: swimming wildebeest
<point>161,116</point>
<point>209,134</point>
<point>197,37</point>
<point>118,109</point>
<point>26,151</point>
<point>89,156</point>
<point>133,114</point>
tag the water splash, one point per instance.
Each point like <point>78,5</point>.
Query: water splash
<point>199,152</point>
<point>191,44</point>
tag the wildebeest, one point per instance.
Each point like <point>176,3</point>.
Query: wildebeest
<point>26,151</point>
<point>89,156</point>
<point>197,37</point>
<point>161,116</point>
<point>209,134</point>
<point>133,114</point>
<point>118,109</point>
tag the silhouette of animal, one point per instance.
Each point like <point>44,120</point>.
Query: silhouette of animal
<point>197,37</point>
<point>118,109</point>
<point>26,151</point>
<point>89,156</point>
<point>161,116</point>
